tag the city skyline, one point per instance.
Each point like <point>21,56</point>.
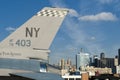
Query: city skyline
<point>91,25</point>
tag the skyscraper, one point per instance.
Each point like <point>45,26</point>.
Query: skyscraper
<point>118,56</point>
<point>96,61</point>
<point>62,64</point>
<point>104,61</point>
<point>102,55</point>
<point>82,59</point>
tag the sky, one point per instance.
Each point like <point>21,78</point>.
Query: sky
<point>93,25</point>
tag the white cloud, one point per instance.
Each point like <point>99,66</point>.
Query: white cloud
<point>73,13</point>
<point>10,29</point>
<point>106,1</point>
<point>93,38</point>
<point>81,38</point>
<point>57,3</point>
<point>104,16</point>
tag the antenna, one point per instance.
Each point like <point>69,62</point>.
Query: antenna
<point>81,50</point>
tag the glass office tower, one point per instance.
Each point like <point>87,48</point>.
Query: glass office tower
<point>82,60</point>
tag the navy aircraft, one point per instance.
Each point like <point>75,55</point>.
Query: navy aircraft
<point>27,48</point>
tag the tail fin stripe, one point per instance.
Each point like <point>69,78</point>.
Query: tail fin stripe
<point>52,13</point>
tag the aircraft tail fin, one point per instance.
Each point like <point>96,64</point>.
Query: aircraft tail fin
<point>38,32</point>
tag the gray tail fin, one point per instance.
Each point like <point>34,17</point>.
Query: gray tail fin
<point>38,32</point>
<point>33,39</point>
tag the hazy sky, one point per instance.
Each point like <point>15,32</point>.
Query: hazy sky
<point>93,25</point>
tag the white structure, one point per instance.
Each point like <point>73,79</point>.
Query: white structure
<point>82,59</point>
<point>68,77</point>
<point>118,69</point>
